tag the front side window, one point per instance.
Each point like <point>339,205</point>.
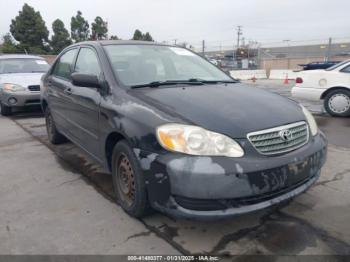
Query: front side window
<point>143,64</point>
<point>23,65</point>
<point>64,64</point>
<point>87,62</point>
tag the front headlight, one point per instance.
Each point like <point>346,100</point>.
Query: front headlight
<point>13,87</point>
<point>194,140</point>
<point>310,120</point>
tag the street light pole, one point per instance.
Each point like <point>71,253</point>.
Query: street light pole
<point>288,52</point>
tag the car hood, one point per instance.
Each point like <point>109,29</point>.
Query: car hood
<point>233,109</point>
<point>23,79</point>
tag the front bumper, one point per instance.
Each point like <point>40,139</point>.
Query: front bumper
<point>214,187</point>
<point>23,98</point>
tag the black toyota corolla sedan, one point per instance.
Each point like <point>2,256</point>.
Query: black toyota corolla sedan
<point>177,134</point>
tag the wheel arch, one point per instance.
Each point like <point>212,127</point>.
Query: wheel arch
<point>112,139</point>
<point>325,93</point>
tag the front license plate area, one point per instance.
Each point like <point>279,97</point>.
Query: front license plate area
<point>280,178</point>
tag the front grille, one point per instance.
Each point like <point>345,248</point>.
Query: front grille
<point>34,88</point>
<point>271,141</point>
<point>32,102</point>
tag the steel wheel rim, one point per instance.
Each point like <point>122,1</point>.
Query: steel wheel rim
<point>339,103</point>
<point>126,180</point>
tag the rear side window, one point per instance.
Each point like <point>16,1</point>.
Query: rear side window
<point>63,66</point>
<point>87,62</point>
<point>346,69</point>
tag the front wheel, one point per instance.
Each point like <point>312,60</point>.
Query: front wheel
<point>5,110</point>
<point>128,181</point>
<point>337,103</point>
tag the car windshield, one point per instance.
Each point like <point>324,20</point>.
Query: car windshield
<point>143,64</point>
<point>23,65</point>
<point>337,65</point>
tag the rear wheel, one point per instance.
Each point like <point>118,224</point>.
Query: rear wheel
<point>5,110</point>
<point>337,103</point>
<point>128,181</point>
<point>54,136</point>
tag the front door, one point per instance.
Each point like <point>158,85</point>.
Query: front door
<point>59,84</point>
<point>86,102</point>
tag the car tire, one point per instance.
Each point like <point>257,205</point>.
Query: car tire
<point>337,103</point>
<point>6,110</point>
<point>54,136</point>
<point>128,181</point>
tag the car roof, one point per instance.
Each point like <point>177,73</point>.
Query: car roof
<point>121,42</point>
<point>19,56</point>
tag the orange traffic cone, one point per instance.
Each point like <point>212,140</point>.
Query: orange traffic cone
<point>254,79</point>
<point>286,80</point>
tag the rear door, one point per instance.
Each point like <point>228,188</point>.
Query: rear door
<point>86,102</point>
<point>59,83</point>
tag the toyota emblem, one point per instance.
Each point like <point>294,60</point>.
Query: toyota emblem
<point>286,135</point>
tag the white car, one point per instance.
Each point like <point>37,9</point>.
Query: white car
<point>331,85</point>
<point>20,81</point>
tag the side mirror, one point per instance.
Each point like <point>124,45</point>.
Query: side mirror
<point>85,80</point>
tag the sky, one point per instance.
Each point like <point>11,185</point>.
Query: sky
<point>191,21</point>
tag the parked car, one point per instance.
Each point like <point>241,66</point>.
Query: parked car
<point>331,85</point>
<point>319,65</point>
<point>214,61</point>
<point>177,133</point>
<point>20,81</point>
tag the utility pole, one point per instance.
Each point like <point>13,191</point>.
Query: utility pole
<point>239,33</point>
<point>288,52</point>
<point>259,56</point>
<point>203,47</point>
<point>329,50</point>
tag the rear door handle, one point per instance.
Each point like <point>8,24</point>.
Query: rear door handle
<point>68,91</point>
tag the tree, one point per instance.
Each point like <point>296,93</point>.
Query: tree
<point>137,35</point>
<point>79,28</point>
<point>60,38</point>
<point>147,37</point>
<point>99,29</point>
<point>9,46</point>
<point>113,37</point>
<point>29,29</point>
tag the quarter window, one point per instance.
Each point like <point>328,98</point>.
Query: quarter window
<point>87,62</point>
<point>63,66</point>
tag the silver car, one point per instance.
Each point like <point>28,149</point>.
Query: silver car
<point>20,81</point>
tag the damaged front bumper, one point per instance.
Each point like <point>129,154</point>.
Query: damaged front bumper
<point>214,187</point>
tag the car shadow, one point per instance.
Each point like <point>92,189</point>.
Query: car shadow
<point>29,112</point>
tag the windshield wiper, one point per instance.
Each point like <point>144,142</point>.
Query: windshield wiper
<point>191,81</point>
<point>168,82</point>
<point>212,81</point>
